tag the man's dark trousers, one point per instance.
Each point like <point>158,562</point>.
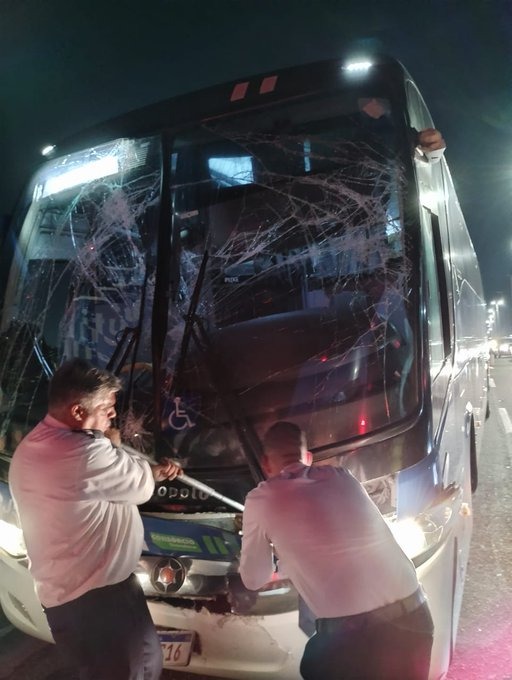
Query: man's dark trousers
<point>108,633</point>
<point>370,647</point>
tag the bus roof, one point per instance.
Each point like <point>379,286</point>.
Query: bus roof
<point>238,95</point>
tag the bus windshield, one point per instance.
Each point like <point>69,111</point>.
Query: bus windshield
<point>287,282</point>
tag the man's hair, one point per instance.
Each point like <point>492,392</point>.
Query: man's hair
<point>79,382</point>
<point>284,441</point>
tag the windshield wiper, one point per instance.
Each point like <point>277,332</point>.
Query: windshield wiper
<point>189,325</point>
<point>247,436</point>
<point>124,345</point>
<point>194,329</point>
<point>38,351</point>
<point>129,342</point>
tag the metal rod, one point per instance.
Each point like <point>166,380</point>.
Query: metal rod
<point>208,489</point>
<point>190,481</point>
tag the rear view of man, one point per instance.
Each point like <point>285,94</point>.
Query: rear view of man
<point>77,490</point>
<point>372,620</point>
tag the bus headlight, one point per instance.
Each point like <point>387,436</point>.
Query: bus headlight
<point>419,536</point>
<point>416,535</point>
<point>11,539</point>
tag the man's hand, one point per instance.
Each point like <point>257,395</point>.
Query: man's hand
<point>431,140</point>
<point>114,435</point>
<point>165,470</point>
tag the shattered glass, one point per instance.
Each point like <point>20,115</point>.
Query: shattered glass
<point>82,272</point>
<point>301,306</point>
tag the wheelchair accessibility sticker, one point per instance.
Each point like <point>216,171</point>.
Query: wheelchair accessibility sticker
<point>179,418</point>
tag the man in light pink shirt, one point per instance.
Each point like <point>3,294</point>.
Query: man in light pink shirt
<point>331,541</point>
<point>76,491</point>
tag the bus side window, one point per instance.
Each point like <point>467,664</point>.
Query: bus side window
<point>433,297</point>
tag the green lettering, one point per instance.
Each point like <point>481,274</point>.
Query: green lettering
<point>171,543</point>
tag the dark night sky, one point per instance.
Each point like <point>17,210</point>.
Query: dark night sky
<point>66,64</point>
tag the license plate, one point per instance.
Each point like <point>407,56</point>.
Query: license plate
<point>176,647</point>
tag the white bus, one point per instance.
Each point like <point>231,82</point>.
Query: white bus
<point>273,248</point>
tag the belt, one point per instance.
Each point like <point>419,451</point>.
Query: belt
<point>389,612</point>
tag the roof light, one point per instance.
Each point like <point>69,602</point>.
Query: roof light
<point>357,66</point>
<point>89,165</point>
<point>74,176</point>
<point>47,150</point>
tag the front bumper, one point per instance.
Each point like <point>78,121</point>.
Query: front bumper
<point>18,598</point>
<point>258,647</point>
<point>238,647</point>
<point>229,645</point>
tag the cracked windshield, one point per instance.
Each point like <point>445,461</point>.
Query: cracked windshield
<point>254,270</point>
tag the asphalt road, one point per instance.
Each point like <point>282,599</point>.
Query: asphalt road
<point>484,645</point>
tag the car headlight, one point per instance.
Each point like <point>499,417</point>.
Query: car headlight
<point>11,539</point>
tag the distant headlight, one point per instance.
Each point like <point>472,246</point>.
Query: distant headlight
<point>11,539</point>
<point>504,347</point>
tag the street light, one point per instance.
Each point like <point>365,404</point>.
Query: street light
<point>496,304</point>
<point>489,322</point>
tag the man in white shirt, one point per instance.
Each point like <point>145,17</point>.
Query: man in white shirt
<point>330,539</point>
<point>76,491</point>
